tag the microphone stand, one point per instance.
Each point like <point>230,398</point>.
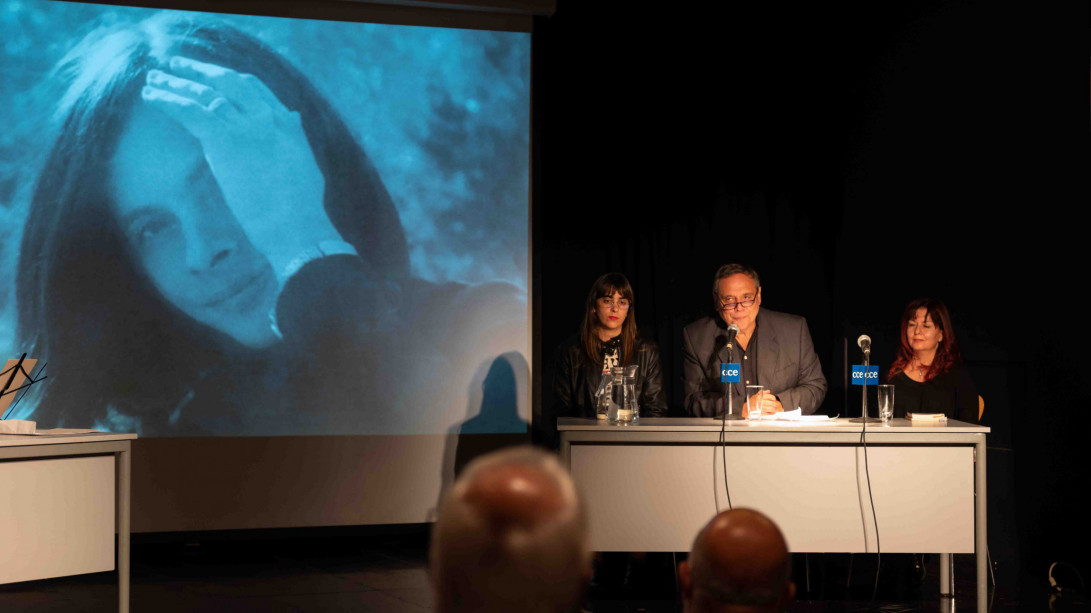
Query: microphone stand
<point>730,414</point>
<point>863,397</point>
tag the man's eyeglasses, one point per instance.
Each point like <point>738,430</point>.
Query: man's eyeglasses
<point>730,305</point>
<point>609,303</point>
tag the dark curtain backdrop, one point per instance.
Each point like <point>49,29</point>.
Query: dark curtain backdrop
<point>858,157</point>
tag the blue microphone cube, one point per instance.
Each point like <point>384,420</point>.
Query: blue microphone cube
<point>730,373</point>
<point>858,375</point>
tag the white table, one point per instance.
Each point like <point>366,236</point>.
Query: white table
<point>653,486</point>
<point>63,497</point>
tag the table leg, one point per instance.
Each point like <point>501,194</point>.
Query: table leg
<point>981,541</point>
<point>946,589</point>
<point>123,499</point>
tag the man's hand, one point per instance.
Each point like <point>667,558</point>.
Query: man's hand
<point>769,403</point>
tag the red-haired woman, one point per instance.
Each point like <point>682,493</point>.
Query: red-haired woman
<point>928,374</point>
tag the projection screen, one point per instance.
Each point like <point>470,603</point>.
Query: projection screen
<point>292,254</point>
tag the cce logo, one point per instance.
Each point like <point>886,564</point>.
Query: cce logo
<point>858,377</point>
<point>730,373</point>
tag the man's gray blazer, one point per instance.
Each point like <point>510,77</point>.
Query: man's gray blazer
<point>787,364</point>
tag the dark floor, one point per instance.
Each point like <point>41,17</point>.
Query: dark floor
<point>326,572</point>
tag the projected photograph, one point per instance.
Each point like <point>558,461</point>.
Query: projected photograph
<point>223,225</point>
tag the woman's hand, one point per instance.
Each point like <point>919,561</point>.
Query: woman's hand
<point>257,150</point>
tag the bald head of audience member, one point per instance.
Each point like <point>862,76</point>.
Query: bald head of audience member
<point>511,536</point>
<point>739,563</point>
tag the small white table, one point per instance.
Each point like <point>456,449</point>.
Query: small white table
<point>653,486</point>
<point>63,497</point>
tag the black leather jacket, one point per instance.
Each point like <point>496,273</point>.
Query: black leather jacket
<point>576,379</point>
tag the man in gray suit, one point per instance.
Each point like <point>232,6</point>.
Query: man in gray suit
<point>774,350</point>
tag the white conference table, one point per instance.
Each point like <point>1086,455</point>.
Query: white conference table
<point>653,486</point>
<point>63,497</point>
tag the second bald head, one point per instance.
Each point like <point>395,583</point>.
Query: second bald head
<point>739,562</point>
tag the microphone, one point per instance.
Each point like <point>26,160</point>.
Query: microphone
<point>732,332</point>
<point>865,343</point>
<point>726,340</point>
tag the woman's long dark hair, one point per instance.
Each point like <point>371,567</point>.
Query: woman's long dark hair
<point>83,302</point>
<point>606,286</point>
<point>947,353</point>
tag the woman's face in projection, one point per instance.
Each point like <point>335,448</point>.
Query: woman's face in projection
<point>185,237</point>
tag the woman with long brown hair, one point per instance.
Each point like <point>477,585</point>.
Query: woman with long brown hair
<point>608,337</point>
<point>928,373</point>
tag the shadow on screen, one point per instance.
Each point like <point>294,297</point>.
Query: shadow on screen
<point>493,420</point>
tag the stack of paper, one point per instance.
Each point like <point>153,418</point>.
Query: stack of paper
<point>926,417</point>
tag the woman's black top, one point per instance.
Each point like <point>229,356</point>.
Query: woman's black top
<point>576,379</point>
<point>951,393</point>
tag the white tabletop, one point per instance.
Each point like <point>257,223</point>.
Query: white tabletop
<point>704,424</point>
<point>17,440</point>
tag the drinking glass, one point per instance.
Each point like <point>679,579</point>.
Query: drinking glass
<point>886,402</point>
<point>630,373</point>
<point>628,411</point>
<point>753,411</point>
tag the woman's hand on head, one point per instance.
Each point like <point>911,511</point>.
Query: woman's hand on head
<point>257,150</point>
